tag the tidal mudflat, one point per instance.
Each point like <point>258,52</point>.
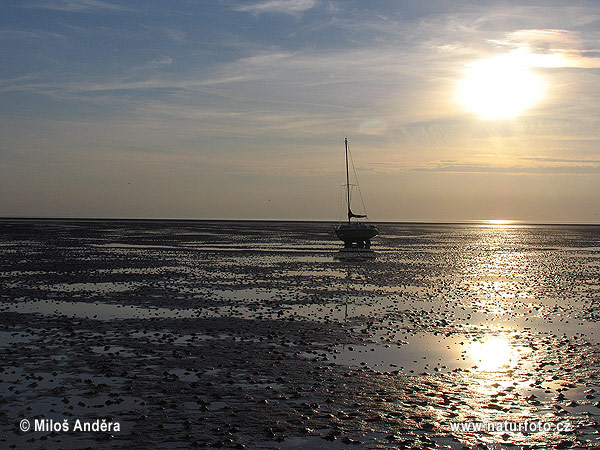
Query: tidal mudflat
<point>251,335</point>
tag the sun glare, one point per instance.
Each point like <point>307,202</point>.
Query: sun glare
<point>499,222</point>
<point>491,354</point>
<point>502,87</point>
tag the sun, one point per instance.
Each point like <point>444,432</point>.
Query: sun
<point>502,87</point>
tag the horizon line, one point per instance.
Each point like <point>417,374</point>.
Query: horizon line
<point>493,222</point>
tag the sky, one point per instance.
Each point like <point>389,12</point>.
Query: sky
<point>233,109</point>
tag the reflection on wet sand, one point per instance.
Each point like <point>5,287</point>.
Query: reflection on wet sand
<point>230,335</point>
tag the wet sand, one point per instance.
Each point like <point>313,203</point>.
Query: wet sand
<point>251,335</point>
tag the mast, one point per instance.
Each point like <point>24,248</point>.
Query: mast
<point>347,180</point>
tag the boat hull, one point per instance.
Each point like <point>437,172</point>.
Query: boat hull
<point>356,234</point>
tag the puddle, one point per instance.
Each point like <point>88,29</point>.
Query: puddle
<point>11,338</point>
<point>99,311</point>
<point>135,246</point>
<point>90,287</point>
<point>428,352</point>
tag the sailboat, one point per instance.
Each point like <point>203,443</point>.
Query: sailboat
<point>355,234</point>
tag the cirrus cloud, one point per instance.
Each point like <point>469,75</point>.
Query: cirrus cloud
<point>278,6</point>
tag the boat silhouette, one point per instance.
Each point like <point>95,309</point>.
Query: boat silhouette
<point>355,234</point>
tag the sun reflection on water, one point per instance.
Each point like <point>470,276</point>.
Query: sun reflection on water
<point>493,353</point>
<point>499,222</point>
<point>496,274</point>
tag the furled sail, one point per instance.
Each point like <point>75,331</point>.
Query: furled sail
<point>351,214</point>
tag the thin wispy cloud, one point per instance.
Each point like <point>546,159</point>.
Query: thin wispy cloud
<point>174,34</point>
<point>77,5</point>
<point>551,48</point>
<point>278,6</point>
<point>560,160</point>
<point>592,169</point>
<point>153,65</point>
<point>27,35</point>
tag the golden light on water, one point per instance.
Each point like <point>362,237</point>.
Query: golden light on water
<point>492,353</point>
<point>502,87</point>
<point>499,222</point>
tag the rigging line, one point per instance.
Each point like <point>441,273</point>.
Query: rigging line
<point>357,185</point>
